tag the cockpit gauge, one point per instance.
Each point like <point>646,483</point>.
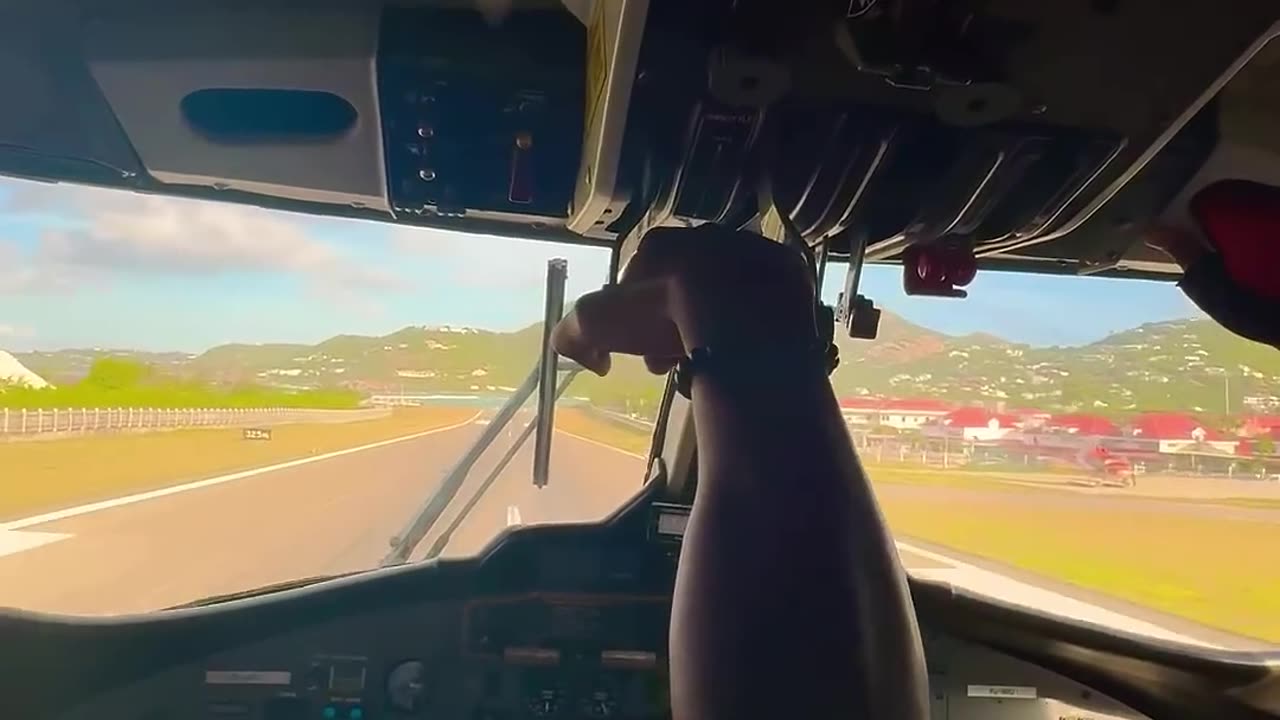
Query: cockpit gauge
<point>406,686</point>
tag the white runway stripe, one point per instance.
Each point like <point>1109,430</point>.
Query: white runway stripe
<point>992,584</point>
<point>208,482</point>
<point>16,541</point>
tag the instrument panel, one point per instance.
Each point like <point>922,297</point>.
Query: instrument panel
<point>553,623</point>
<point>526,656</point>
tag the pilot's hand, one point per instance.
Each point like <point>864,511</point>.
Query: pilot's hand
<point>1183,247</point>
<point>689,288</point>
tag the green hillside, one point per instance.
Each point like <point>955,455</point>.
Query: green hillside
<point>1190,365</point>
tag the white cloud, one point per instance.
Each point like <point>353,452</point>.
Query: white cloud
<point>500,263</point>
<point>111,231</point>
<point>15,331</point>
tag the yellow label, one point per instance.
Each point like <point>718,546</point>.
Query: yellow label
<point>597,62</point>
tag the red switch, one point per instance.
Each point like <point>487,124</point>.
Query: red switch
<point>938,270</point>
<point>521,188</point>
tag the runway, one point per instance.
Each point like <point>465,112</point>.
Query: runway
<point>336,513</point>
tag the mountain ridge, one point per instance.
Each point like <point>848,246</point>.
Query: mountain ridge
<point>1187,364</point>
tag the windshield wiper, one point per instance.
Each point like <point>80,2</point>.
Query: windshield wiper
<point>543,379</point>
<point>426,516</point>
<point>438,546</point>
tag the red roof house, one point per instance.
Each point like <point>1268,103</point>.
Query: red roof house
<point>1261,426</point>
<point>1171,426</point>
<point>1082,424</point>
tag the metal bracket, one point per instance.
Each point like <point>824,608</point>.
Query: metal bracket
<point>858,314</point>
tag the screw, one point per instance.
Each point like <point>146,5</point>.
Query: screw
<point>524,140</point>
<point>427,174</point>
<point>426,132</point>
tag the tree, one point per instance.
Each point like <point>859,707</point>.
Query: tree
<point>115,374</point>
<point>1264,445</point>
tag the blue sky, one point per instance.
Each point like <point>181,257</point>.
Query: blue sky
<point>82,267</point>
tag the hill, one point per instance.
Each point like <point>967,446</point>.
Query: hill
<point>1179,365</point>
<point>1187,365</point>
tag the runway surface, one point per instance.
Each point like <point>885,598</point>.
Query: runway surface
<point>336,513</point>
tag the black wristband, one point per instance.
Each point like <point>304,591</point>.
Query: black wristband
<point>751,365</point>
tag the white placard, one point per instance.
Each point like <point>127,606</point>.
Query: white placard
<point>672,524</point>
<point>1011,692</point>
<point>248,677</point>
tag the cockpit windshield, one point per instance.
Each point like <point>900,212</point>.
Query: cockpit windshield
<point>199,399</point>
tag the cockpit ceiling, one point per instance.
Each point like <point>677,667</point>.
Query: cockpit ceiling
<point>1044,133</point>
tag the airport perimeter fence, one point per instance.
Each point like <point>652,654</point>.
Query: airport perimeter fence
<point>17,422</point>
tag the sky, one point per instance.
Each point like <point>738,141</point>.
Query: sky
<point>84,267</point>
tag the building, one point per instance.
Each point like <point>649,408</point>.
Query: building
<point>975,423</point>
<point>1259,426</point>
<point>1081,424</point>
<point>898,414</point>
<point>1182,434</point>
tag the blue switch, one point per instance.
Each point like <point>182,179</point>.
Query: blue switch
<point>355,713</point>
<point>329,713</point>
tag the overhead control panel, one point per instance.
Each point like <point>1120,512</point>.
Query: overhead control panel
<point>255,100</point>
<point>479,117</point>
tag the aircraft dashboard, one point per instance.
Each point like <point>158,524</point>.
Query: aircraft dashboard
<point>552,622</point>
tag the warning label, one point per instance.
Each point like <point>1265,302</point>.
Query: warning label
<point>597,63</point>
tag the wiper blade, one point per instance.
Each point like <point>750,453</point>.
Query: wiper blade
<point>403,544</point>
<point>543,379</point>
<point>441,542</point>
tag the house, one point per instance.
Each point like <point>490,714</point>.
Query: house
<point>1182,434</point>
<point>1260,426</point>
<point>899,414</point>
<point>1170,426</point>
<point>975,423</point>
<point>1081,424</point>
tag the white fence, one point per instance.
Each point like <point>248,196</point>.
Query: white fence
<point>16,422</point>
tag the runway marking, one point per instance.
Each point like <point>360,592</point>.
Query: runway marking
<point>607,446</point>
<point>78,510</point>
<point>958,573</point>
<point>16,541</point>
<point>993,584</point>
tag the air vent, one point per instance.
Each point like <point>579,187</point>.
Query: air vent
<point>240,116</point>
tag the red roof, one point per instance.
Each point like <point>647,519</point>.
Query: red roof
<point>976,417</point>
<point>1083,424</point>
<point>1169,426</point>
<point>1261,426</point>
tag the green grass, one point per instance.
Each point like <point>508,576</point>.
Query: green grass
<point>580,421</point>
<point>1216,571</point>
<point>118,382</point>
<point>43,475</point>
<point>1219,571</point>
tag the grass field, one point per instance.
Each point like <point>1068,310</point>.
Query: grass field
<point>38,476</point>
<point>1217,569</point>
<point>613,433</point>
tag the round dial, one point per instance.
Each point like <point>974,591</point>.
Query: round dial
<point>406,686</point>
